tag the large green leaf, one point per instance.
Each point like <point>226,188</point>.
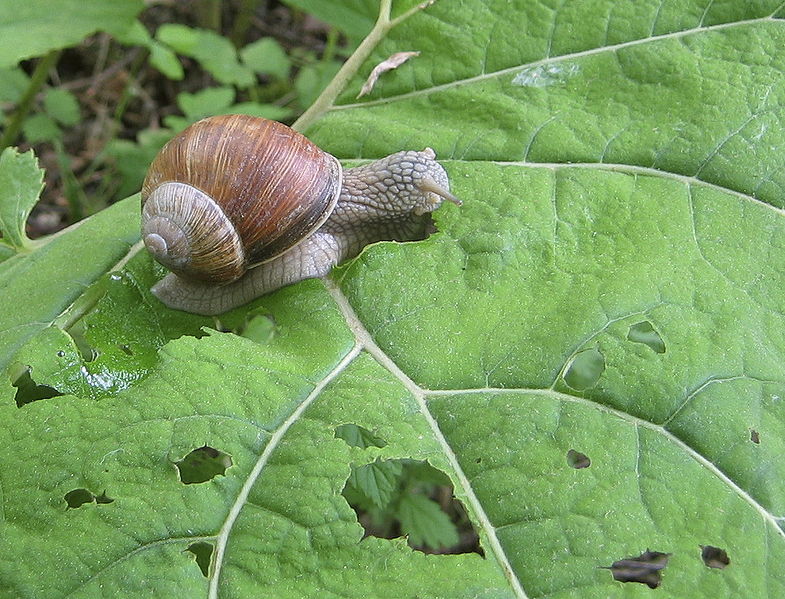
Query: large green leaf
<point>591,348</point>
<point>35,27</point>
<point>37,287</point>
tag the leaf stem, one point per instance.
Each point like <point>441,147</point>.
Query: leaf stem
<point>37,79</point>
<point>384,23</point>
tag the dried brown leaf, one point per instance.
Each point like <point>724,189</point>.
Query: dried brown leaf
<point>393,62</point>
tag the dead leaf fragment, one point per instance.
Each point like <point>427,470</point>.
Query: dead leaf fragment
<point>393,62</point>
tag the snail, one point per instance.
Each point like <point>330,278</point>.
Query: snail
<point>238,206</point>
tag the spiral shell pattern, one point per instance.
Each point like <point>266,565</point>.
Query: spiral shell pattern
<point>233,191</point>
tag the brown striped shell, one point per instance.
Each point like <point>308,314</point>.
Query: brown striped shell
<point>233,191</point>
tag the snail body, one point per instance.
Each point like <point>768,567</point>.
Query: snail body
<point>238,206</point>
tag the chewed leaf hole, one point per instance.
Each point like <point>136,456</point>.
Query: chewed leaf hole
<point>357,436</point>
<point>395,498</point>
<point>578,460</point>
<point>202,464</point>
<point>78,333</point>
<point>644,332</point>
<point>28,391</point>
<point>714,557</point>
<point>78,497</point>
<point>203,553</point>
<point>646,568</point>
<point>754,436</point>
<point>585,369</point>
<point>260,328</point>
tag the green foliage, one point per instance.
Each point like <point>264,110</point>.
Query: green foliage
<point>397,493</point>
<point>161,57</point>
<point>589,350</point>
<point>20,183</point>
<point>214,52</point>
<point>253,80</point>
<point>13,82</point>
<point>266,56</point>
<point>35,27</point>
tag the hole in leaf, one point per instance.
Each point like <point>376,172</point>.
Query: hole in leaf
<point>585,369</point>
<point>714,557</point>
<point>202,464</point>
<point>103,498</point>
<point>644,332</point>
<point>203,552</point>
<point>78,333</point>
<point>357,436</point>
<point>578,460</point>
<point>395,498</point>
<point>646,568</point>
<point>28,391</point>
<point>78,497</point>
<point>260,328</point>
<point>754,436</point>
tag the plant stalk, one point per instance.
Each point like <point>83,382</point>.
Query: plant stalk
<point>352,65</point>
<point>37,79</point>
<point>349,69</point>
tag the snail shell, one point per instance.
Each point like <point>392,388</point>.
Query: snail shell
<point>231,192</point>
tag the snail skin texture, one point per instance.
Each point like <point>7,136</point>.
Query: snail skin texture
<point>237,206</point>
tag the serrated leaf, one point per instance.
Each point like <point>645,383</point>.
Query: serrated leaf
<point>35,27</point>
<point>20,183</point>
<point>424,522</point>
<point>377,481</point>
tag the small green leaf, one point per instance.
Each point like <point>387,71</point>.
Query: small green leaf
<point>132,159</point>
<point>62,106</point>
<point>161,57</point>
<point>266,56</point>
<point>181,38</point>
<point>214,52</point>
<point>41,127</point>
<point>20,183</point>
<point>13,83</point>
<point>207,102</point>
<point>378,481</point>
<point>313,78</point>
<point>166,61</point>
<point>424,522</point>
